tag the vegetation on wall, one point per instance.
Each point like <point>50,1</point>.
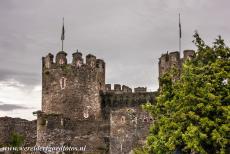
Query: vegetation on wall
<point>192,115</point>
<point>16,141</point>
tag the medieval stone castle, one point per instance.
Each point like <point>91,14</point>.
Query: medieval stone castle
<point>80,110</point>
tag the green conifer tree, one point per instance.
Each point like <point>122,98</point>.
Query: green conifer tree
<point>192,115</point>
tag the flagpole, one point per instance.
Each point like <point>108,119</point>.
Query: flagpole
<point>180,44</point>
<point>179,35</point>
<point>63,35</point>
<point>61,45</point>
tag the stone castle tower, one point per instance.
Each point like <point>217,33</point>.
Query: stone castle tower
<point>72,89</point>
<point>71,102</point>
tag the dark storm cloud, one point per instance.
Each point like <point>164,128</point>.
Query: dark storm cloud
<point>130,35</point>
<point>10,107</point>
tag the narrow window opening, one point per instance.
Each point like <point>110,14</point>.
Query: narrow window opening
<point>47,64</point>
<point>86,113</point>
<point>92,64</point>
<point>61,61</point>
<point>62,122</point>
<point>78,63</point>
<point>123,119</point>
<point>63,83</point>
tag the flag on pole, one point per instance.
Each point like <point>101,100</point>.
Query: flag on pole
<point>179,26</point>
<point>63,31</point>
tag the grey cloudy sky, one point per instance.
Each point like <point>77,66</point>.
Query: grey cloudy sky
<point>130,35</point>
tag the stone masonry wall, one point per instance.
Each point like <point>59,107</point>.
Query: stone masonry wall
<point>23,127</point>
<point>129,123</point>
<point>56,130</point>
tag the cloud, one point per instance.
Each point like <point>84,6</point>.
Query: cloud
<point>10,107</point>
<point>18,78</point>
<point>129,35</point>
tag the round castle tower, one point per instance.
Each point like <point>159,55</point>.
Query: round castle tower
<point>72,90</point>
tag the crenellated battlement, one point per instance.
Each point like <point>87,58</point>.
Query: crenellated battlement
<point>140,90</point>
<point>120,100</point>
<point>77,61</point>
<point>119,89</point>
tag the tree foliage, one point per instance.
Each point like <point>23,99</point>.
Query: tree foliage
<point>192,115</point>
